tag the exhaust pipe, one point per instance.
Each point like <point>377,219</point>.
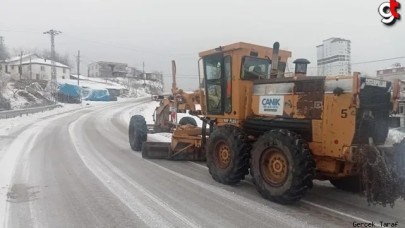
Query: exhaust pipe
<point>274,60</point>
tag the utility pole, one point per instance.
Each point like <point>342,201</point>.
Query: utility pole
<point>3,54</point>
<point>53,33</point>
<point>54,80</point>
<point>144,75</point>
<point>20,67</point>
<point>30,68</point>
<point>78,67</point>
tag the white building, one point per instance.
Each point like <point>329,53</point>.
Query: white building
<point>391,74</point>
<point>33,67</point>
<point>103,69</point>
<point>334,57</point>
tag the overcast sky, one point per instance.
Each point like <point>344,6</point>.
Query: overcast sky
<point>157,31</point>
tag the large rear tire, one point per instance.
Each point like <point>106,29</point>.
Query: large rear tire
<point>188,120</point>
<point>138,132</point>
<point>349,184</point>
<point>228,155</point>
<point>282,166</point>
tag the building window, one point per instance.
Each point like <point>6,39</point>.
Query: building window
<point>401,109</point>
<point>64,70</point>
<point>12,67</point>
<point>42,68</point>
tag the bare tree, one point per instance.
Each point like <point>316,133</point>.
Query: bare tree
<point>64,59</point>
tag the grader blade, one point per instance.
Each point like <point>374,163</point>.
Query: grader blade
<point>187,152</point>
<point>155,150</point>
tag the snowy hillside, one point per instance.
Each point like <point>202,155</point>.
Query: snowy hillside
<point>21,94</point>
<point>31,93</point>
<point>134,87</point>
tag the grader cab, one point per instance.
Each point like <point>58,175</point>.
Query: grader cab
<point>288,129</point>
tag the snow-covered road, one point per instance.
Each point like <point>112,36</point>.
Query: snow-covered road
<point>76,169</point>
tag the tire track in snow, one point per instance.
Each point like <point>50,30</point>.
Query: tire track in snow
<point>9,163</point>
<point>286,220</point>
<point>97,164</point>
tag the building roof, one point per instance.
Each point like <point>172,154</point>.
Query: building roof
<point>18,58</point>
<point>35,59</point>
<point>339,39</point>
<point>106,62</point>
<point>42,61</point>
<point>336,39</point>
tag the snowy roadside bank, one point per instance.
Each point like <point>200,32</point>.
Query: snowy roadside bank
<point>8,126</point>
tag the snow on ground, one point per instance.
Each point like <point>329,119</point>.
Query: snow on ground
<point>16,101</point>
<point>115,83</point>
<point>395,136</point>
<point>92,84</point>
<point>8,126</point>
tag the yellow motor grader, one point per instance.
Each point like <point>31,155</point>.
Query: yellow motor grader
<point>287,129</point>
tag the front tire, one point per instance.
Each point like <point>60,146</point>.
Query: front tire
<point>138,132</point>
<point>228,155</point>
<point>282,166</point>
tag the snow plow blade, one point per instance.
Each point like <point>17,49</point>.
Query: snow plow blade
<point>182,152</point>
<point>155,150</point>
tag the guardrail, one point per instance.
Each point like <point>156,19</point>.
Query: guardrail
<point>21,112</point>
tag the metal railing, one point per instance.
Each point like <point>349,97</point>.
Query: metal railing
<point>13,113</point>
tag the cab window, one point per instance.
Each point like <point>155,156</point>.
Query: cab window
<point>213,69</point>
<point>255,68</point>
<point>228,85</point>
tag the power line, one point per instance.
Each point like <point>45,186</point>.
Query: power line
<point>364,62</point>
<point>189,54</point>
<point>96,42</point>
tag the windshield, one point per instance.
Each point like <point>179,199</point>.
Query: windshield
<point>255,68</point>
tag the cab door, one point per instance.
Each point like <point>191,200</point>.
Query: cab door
<point>214,84</point>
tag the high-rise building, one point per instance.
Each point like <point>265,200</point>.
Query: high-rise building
<point>334,57</point>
